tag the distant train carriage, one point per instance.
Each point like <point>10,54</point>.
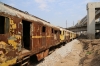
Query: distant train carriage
<point>72,35</point>
<point>62,36</point>
<point>67,35</point>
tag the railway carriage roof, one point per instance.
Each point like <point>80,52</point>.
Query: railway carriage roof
<point>21,14</point>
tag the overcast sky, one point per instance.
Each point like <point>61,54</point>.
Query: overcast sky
<point>57,12</point>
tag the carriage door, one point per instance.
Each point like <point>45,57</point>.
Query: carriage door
<point>26,34</point>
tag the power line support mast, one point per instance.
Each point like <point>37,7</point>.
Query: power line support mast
<point>66,23</point>
<point>73,23</point>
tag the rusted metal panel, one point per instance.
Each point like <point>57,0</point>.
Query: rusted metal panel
<point>43,37</point>
<point>9,43</point>
<point>56,37</point>
<point>48,36</point>
<point>45,53</point>
<point>40,39</point>
<point>35,38</point>
<point>40,56</point>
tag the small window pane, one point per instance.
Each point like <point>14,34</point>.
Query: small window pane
<point>43,29</point>
<point>2,22</point>
<point>7,25</point>
<point>52,30</point>
<point>4,25</point>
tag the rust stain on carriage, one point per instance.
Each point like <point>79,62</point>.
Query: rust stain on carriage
<point>9,44</point>
<point>42,54</point>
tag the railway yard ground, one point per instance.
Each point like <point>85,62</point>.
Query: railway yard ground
<point>82,52</point>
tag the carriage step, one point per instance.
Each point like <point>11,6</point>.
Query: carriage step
<point>26,57</point>
<point>25,64</point>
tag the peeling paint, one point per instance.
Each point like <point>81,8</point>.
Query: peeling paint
<point>17,36</point>
<point>13,25</point>
<point>13,43</point>
<point>2,44</point>
<point>9,62</point>
<point>9,49</point>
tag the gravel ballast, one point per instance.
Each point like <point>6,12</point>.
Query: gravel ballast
<point>59,54</point>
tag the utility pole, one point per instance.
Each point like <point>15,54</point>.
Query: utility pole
<point>73,23</point>
<point>66,23</point>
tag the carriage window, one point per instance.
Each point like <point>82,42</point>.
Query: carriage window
<point>63,32</point>
<point>7,25</point>
<point>43,29</point>
<point>4,25</point>
<point>55,31</point>
<point>60,32</point>
<point>52,30</point>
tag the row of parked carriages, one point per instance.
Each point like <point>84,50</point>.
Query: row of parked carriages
<point>23,35</point>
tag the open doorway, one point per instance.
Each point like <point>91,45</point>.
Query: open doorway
<point>26,34</point>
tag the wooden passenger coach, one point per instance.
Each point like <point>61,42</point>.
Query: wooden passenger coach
<point>23,35</point>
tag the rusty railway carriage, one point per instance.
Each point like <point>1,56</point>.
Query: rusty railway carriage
<point>23,35</point>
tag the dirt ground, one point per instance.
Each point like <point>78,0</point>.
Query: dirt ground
<point>91,53</point>
<point>85,53</point>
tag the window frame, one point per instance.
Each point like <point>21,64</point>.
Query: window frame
<point>6,25</point>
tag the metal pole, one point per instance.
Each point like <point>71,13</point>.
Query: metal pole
<point>66,23</point>
<point>73,23</point>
